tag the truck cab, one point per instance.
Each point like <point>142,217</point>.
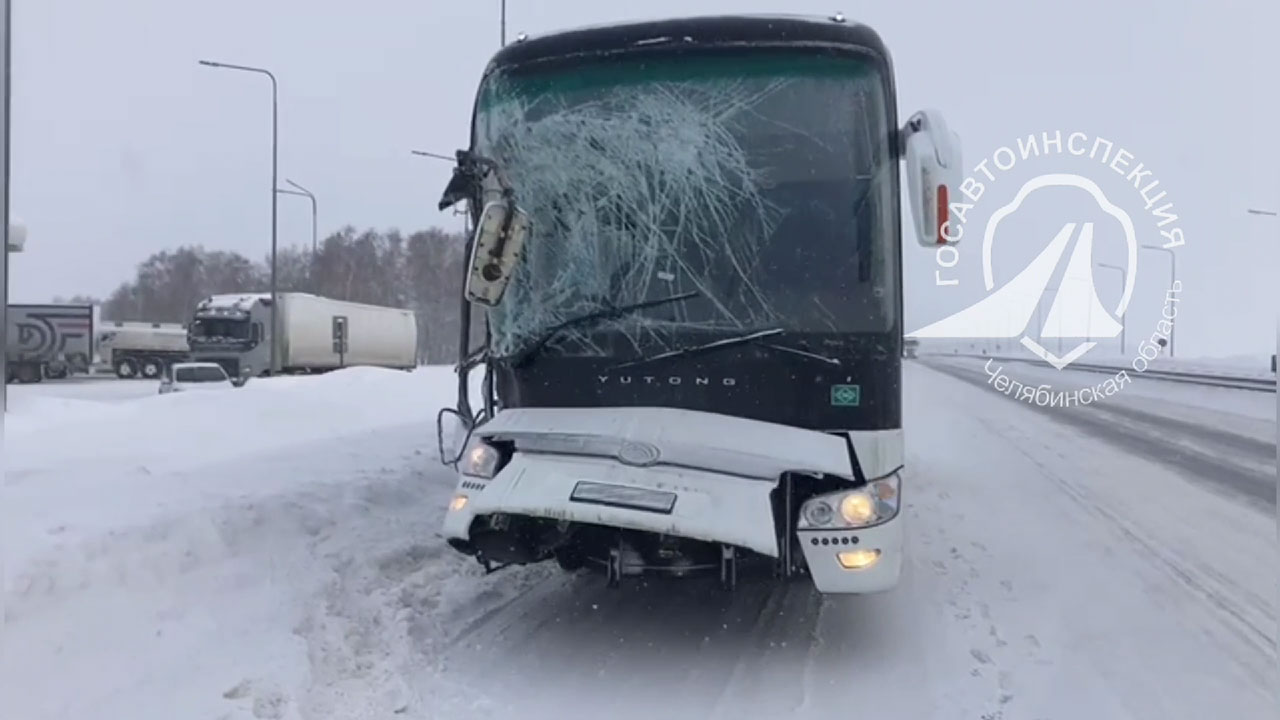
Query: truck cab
<point>687,251</point>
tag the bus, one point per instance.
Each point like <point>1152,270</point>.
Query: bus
<point>681,343</point>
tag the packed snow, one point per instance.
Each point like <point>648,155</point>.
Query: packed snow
<point>272,552</point>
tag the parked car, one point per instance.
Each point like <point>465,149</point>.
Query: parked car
<point>195,376</point>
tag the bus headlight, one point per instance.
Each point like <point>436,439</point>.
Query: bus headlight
<point>481,460</point>
<point>872,504</point>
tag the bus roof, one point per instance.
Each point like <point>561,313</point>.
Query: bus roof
<point>693,32</point>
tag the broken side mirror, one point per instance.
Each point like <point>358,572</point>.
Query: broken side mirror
<point>452,432</point>
<point>932,154</point>
<point>495,250</point>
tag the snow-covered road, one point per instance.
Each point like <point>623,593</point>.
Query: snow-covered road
<point>254,565</point>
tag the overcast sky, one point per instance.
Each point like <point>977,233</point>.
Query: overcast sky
<point>123,145</point>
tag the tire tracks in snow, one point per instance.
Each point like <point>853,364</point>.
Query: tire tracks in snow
<point>1246,615</point>
<point>1239,611</point>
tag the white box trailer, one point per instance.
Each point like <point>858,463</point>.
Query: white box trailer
<point>377,336</point>
<point>317,334</point>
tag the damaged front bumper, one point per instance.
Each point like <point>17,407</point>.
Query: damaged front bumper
<point>681,502</point>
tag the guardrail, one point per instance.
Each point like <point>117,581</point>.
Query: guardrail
<point>1196,378</point>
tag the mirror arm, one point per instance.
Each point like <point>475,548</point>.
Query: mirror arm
<point>464,341</point>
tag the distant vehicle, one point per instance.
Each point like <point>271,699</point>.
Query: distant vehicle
<point>48,341</point>
<point>195,376</point>
<point>139,349</point>
<point>910,347</point>
<point>317,334</point>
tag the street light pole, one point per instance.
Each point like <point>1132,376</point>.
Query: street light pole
<point>307,194</point>
<point>1173,280</point>
<point>275,156</point>
<point>1256,211</point>
<point>6,16</point>
<point>1123,324</point>
<point>503,36</point>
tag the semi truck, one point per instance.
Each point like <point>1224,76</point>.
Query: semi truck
<point>48,341</point>
<point>687,247</point>
<point>142,349</point>
<point>317,334</point>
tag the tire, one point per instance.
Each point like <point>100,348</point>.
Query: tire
<point>27,373</point>
<point>570,560</point>
<point>126,368</point>
<point>151,368</point>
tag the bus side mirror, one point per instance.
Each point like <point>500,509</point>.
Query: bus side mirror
<point>452,433</point>
<point>495,250</point>
<point>932,154</point>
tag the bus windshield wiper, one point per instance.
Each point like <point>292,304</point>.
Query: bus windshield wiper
<point>754,337</point>
<point>522,357</point>
<point>805,353</point>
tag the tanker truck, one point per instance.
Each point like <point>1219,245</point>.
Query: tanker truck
<point>141,349</point>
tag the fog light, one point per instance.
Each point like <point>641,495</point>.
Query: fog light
<point>858,559</point>
<point>458,502</point>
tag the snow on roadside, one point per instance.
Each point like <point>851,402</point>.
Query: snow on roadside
<point>230,555</point>
<point>122,464</point>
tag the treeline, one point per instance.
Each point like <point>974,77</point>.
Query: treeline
<point>421,271</point>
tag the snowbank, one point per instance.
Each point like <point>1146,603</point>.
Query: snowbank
<point>218,554</point>
<point>84,467</point>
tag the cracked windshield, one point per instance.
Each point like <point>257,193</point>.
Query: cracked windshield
<point>700,360</point>
<point>758,182</point>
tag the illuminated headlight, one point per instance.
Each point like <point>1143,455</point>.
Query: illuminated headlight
<point>481,460</point>
<point>872,504</point>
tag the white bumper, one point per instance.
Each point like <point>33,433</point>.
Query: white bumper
<point>822,550</point>
<point>708,506</point>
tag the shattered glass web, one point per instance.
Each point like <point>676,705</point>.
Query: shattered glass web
<point>642,190</point>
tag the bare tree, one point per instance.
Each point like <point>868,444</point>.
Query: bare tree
<point>421,271</point>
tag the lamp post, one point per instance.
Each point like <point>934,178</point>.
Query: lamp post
<point>303,192</point>
<point>6,16</point>
<point>1256,211</point>
<point>1123,327</point>
<point>502,38</point>
<point>1173,280</point>
<point>275,156</point>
